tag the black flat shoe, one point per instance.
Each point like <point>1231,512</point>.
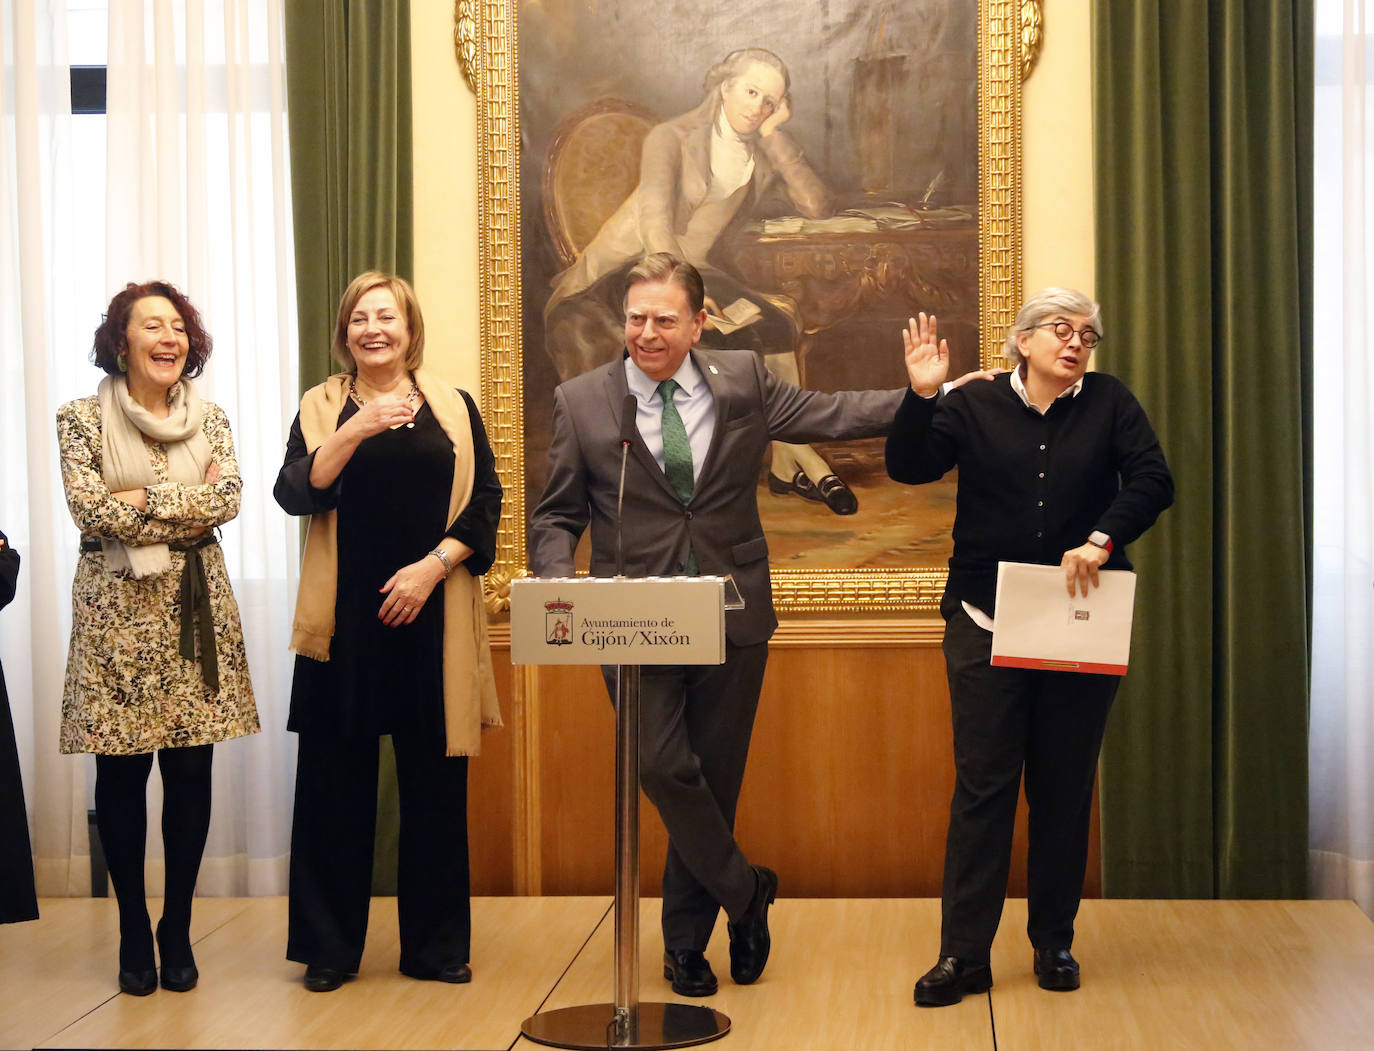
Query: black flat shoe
<point>180,979</point>
<point>750,942</point>
<point>950,980</point>
<point>690,972</point>
<point>454,974</point>
<point>323,979</point>
<point>1056,969</point>
<point>800,485</point>
<point>837,496</point>
<point>138,983</point>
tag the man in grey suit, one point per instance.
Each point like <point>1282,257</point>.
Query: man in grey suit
<point>704,420</point>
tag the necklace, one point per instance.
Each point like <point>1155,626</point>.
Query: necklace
<point>412,396</point>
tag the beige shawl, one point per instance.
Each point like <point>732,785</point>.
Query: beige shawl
<point>124,462</point>
<point>469,685</point>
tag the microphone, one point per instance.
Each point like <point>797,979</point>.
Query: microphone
<point>628,410</point>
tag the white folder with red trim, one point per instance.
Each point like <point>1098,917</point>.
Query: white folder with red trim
<point>1038,625</point>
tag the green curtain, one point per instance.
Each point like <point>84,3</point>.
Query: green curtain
<point>1203,129</point>
<point>348,103</point>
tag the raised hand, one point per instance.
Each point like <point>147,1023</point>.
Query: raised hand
<point>380,414</point>
<point>927,361</point>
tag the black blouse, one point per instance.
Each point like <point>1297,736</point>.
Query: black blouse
<point>392,501</point>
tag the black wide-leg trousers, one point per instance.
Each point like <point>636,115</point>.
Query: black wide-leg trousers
<point>1006,720</point>
<point>694,731</point>
<point>332,835</point>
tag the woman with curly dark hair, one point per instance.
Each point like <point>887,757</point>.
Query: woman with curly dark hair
<point>156,662</point>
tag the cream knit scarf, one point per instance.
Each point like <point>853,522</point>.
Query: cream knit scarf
<point>469,685</point>
<point>125,463</point>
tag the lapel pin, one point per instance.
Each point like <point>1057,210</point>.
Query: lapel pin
<point>714,371</point>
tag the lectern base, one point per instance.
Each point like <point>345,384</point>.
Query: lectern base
<point>591,1027</point>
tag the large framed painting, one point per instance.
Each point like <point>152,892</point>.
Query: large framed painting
<point>832,167</point>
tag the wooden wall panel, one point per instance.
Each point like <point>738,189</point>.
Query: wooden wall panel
<point>577,784</point>
<point>846,795</point>
<point>492,796</point>
<point>850,772</point>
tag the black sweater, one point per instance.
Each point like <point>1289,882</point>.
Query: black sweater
<point>1032,487</point>
<point>476,525</point>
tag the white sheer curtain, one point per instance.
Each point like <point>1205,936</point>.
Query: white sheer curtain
<point>193,187</point>
<point>198,192</point>
<point>1342,721</point>
<point>39,365</point>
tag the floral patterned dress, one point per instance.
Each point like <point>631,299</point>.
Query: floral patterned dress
<point>128,688</point>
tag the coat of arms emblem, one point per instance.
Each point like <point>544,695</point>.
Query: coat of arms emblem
<point>558,623</point>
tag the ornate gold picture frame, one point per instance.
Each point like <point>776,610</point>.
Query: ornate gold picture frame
<point>1008,34</point>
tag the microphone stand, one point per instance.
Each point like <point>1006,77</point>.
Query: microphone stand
<point>626,788</point>
<point>631,1025</point>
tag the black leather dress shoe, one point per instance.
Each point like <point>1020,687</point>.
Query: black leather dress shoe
<point>749,939</point>
<point>1056,969</point>
<point>454,974</point>
<point>323,979</point>
<point>837,496</point>
<point>830,490</point>
<point>138,983</point>
<point>800,485</point>
<point>690,972</point>
<point>950,980</point>
<point>180,979</point>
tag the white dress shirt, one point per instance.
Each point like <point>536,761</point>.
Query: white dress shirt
<point>694,404</point>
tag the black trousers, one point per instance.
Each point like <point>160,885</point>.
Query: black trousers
<point>1007,720</point>
<point>332,835</point>
<point>695,725</point>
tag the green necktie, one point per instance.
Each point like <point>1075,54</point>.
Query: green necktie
<point>677,456</point>
<point>677,450</point>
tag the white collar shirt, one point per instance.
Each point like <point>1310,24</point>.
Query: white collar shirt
<point>1018,385</point>
<point>694,404</point>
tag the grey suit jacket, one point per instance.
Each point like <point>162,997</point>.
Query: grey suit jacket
<point>721,521</point>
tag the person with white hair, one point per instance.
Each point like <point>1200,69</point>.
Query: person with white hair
<point>1057,466</point>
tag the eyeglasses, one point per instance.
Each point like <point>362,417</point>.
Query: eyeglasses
<point>1064,332</point>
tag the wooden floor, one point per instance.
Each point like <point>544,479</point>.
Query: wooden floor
<point>1156,974</point>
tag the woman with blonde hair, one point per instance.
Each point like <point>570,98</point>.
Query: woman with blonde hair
<point>394,469</point>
